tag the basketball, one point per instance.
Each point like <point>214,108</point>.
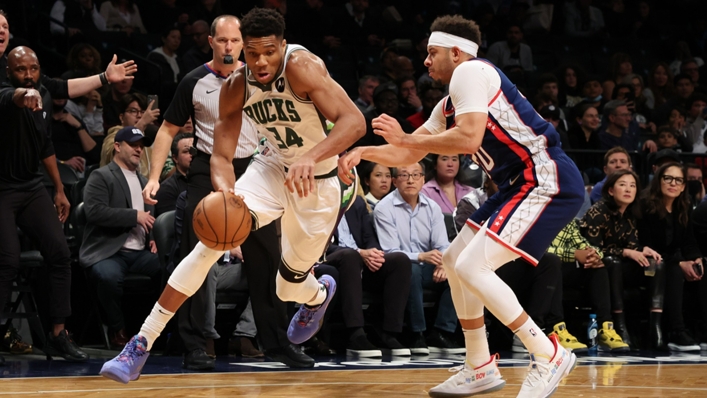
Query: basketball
<point>222,221</point>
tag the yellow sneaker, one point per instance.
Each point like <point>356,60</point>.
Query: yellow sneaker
<point>566,339</point>
<point>609,340</point>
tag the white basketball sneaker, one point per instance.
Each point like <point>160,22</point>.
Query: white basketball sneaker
<point>470,381</point>
<point>544,374</point>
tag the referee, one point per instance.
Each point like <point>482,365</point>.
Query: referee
<point>197,96</point>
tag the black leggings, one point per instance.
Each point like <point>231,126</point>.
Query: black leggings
<point>674,285</point>
<point>627,273</point>
<point>595,280</point>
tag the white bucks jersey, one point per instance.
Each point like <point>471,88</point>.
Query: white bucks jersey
<point>292,125</point>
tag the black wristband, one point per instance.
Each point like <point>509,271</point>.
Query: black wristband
<point>104,79</point>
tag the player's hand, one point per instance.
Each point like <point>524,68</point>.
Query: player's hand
<point>145,219</point>
<point>373,258</point>
<point>439,275</point>
<point>32,100</point>
<point>433,257</point>
<point>118,72</point>
<point>61,203</point>
<point>300,177</point>
<point>150,192</point>
<point>346,164</point>
<point>389,128</point>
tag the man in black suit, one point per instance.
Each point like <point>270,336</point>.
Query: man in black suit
<point>118,223</point>
<point>362,264</point>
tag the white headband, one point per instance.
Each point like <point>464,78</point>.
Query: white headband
<point>441,39</point>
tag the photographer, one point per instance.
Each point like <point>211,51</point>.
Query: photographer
<point>695,183</point>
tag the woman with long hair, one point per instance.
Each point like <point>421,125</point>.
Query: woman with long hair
<point>570,79</point>
<point>610,226</point>
<point>444,188</point>
<point>665,225</point>
<point>660,86</point>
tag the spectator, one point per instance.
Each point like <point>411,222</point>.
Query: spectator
<point>512,51</point>
<point>134,112</point>
<point>25,144</point>
<point>695,123</point>
<point>366,86</point>
<point>665,225</point>
<point>684,88</point>
<point>444,187</point>
<point>177,183</point>
<point>582,267</point>
<point>553,115</point>
<point>166,56</point>
<point>378,180</point>
<point>583,20</point>
<point>695,184</point>
<point>617,131</point>
<point>122,15</point>
<point>89,110</point>
<point>569,87</point>
<point>410,223</point>
<point>207,10</point>
<point>80,17</point>
<point>362,265</point>
<point>583,135</point>
<point>664,156</point>
<point>410,102</point>
<point>691,68</point>
<point>616,158</point>
<point>431,94</point>
<point>660,86</point>
<point>83,60</point>
<point>547,84</point>
<point>609,225</point>
<point>73,145</point>
<point>199,53</point>
<point>118,224</point>
<point>683,53</point>
<point>621,67</point>
<point>385,100</point>
<point>639,99</point>
<point>473,201</point>
<point>647,25</point>
<point>111,103</point>
<point>360,26</point>
<point>591,89</point>
<point>669,138</point>
<point>617,19</point>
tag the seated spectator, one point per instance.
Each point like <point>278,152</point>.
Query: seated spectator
<point>640,100</point>
<point>664,156</point>
<point>366,86</point>
<point>547,84</point>
<point>72,142</point>
<point>583,20</point>
<point>83,60</point>
<point>81,18</point>
<point>410,223</point>
<point>553,115</point>
<point>691,68</point>
<point>111,103</point>
<point>621,67</point>
<point>695,123</point>
<point>89,109</point>
<point>684,88</point>
<point>118,224</point>
<point>133,113</point>
<point>177,182</point>
<point>168,168</point>
<point>430,93</point>
<point>669,138</point>
<point>582,267</point>
<point>620,130</point>
<point>676,120</point>
<point>695,184</point>
<point>609,225</point>
<point>569,87</point>
<point>410,102</point>
<point>122,15</point>
<point>583,134</point>
<point>665,225</point>
<point>512,51</point>
<point>660,86</point>
<point>378,180</point>
<point>444,188</point>
<point>385,100</point>
<point>200,52</point>
<point>591,91</point>
<point>166,56</point>
<point>616,158</point>
<point>362,265</point>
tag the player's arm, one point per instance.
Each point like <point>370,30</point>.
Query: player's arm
<point>309,79</point>
<point>227,130</point>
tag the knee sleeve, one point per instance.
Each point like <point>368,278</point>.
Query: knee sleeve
<point>476,266</point>
<point>301,292</point>
<point>466,304</point>
<point>191,272</point>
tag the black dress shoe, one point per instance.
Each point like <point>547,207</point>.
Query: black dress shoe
<point>291,356</point>
<point>63,346</point>
<point>318,347</point>
<point>198,360</point>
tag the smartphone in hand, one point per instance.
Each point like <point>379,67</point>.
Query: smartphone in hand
<point>151,98</point>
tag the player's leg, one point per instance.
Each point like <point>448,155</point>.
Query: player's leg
<point>307,226</point>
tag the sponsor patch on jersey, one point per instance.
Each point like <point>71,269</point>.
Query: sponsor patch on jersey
<point>280,84</point>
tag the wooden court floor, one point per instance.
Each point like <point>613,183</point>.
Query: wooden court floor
<point>607,380</point>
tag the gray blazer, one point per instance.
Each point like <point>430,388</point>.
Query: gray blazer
<point>109,214</point>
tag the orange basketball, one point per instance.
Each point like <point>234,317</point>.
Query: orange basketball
<point>222,221</point>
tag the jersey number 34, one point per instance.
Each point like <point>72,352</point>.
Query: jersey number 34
<point>291,138</point>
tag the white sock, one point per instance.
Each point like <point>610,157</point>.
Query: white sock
<point>155,324</point>
<point>477,346</point>
<point>319,298</point>
<point>535,340</point>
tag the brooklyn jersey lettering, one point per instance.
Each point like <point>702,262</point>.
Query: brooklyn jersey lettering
<point>292,125</point>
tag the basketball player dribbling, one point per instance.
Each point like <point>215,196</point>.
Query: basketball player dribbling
<point>540,190</point>
<point>288,94</point>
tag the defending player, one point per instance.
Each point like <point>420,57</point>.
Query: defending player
<point>540,190</point>
<point>289,95</point>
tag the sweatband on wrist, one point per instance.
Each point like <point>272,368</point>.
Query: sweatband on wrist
<point>104,79</point>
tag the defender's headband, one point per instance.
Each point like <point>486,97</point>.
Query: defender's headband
<point>446,40</point>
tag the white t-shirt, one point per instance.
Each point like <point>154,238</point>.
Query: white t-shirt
<point>136,237</point>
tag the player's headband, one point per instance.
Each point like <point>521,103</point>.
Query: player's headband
<point>441,39</point>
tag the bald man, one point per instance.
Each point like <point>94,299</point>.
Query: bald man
<point>199,53</point>
<point>24,144</point>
